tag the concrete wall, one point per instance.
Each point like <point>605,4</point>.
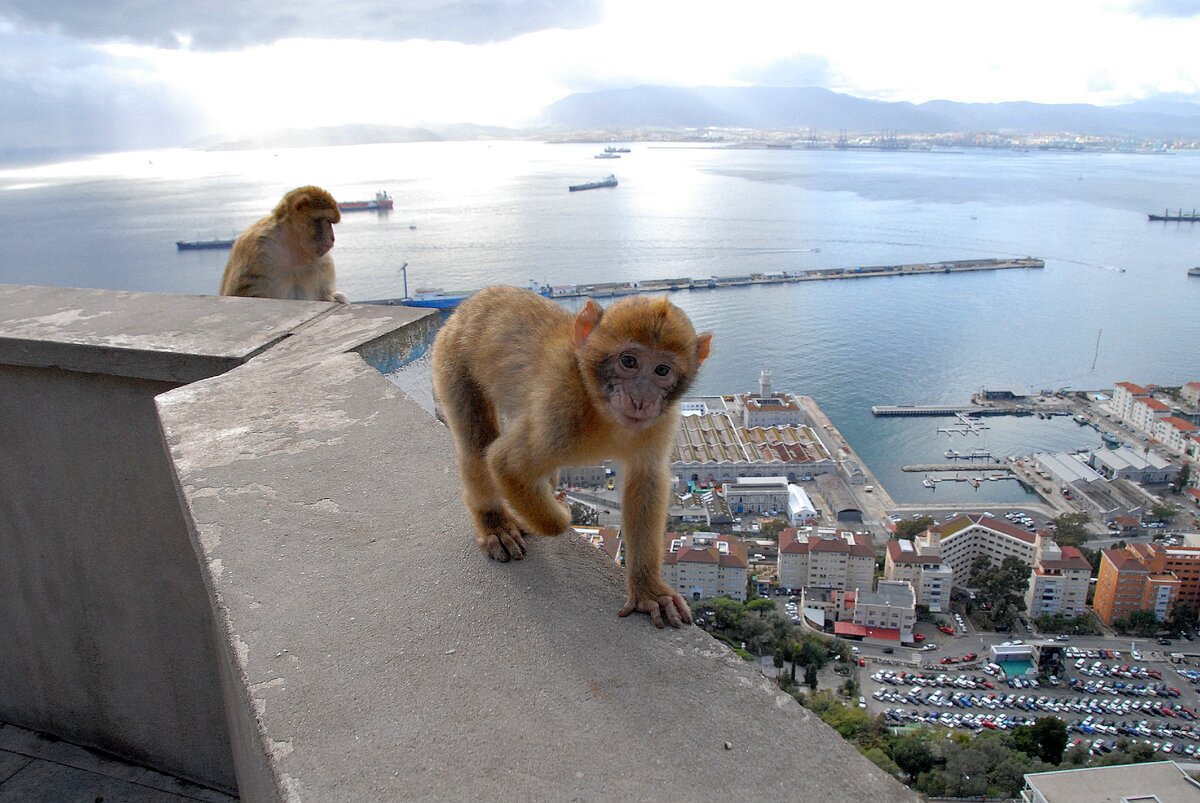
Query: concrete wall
<point>366,650</point>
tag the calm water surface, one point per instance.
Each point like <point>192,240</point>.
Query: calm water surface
<point>470,214</point>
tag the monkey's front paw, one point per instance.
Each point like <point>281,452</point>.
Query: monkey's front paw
<point>499,536</point>
<point>659,604</point>
<point>341,298</point>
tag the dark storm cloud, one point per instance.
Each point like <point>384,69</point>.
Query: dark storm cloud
<point>58,95</point>
<point>221,25</point>
<point>1180,9</point>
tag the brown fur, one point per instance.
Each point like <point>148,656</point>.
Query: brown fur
<point>526,389</point>
<point>286,254</point>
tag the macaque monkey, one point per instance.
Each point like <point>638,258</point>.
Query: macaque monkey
<point>526,388</point>
<point>286,254</point>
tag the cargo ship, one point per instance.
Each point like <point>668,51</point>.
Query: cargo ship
<point>611,181</point>
<point>1193,271</point>
<point>1178,217</point>
<point>202,245</point>
<point>382,201</point>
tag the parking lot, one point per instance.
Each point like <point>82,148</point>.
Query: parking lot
<point>1103,694</point>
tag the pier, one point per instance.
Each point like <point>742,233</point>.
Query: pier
<point>974,411</point>
<point>935,467</point>
<point>606,289</point>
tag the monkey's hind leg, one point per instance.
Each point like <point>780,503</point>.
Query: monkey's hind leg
<point>472,421</point>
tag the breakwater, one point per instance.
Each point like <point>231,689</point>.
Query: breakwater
<point>603,289</point>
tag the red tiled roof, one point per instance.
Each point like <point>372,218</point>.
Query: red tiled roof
<point>1124,561</point>
<point>1072,558</point>
<point>849,629</point>
<point>1180,424</point>
<point>900,556</point>
<point>1153,404</point>
<point>1005,528</point>
<point>790,543</point>
<point>828,545</point>
<point>1194,493</point>
<point>1136,390</point>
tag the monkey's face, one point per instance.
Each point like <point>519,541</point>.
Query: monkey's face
<point>322,234</point>
<point>636,380</point>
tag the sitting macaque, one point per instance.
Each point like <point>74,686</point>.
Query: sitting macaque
<point>286,254</point>
<point>526,389</point>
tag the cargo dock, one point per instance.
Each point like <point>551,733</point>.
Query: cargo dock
<point>603,289</point>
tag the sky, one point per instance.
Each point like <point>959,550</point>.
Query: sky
<point>120,74</point>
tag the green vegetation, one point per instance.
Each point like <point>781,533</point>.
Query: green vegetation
<point>1001,589</point>
<point>771,528</point>
<point>1085,625</point>
<point>1164,511</point>
<point>910,528</point>
<point>1071,529</point>
<point>1139,623</point>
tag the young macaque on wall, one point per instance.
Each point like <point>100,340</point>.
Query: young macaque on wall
<point>286,254</point>
<point>527,388</point>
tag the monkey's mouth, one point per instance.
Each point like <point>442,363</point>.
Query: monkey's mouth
<point>635,419</point>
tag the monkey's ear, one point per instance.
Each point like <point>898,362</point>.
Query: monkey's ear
<point>703,344</point>
<point>587,320</point>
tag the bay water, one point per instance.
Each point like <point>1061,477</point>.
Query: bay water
<point>1113,303</point>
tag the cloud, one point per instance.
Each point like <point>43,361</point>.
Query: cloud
<point>801,69</point>
<point>59,95</point>
<point>220,25</point>
<point>1176,9</point>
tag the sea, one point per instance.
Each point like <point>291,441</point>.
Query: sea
<point>1114,301</point>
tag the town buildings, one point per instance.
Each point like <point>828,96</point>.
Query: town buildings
<point>891,606</point>
<point>1134,579</point>
<point>703,565</point>
<point>822,557</point>
<point>1058,583</point>
<point>924,569</point>
<point>1151,782</point>
<point>963,538</point>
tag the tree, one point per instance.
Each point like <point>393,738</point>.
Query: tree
<point>810,676</point>
<point>1003,587</point>
<point>1164,511</point>
<point>1183,615</point>
<point>1071,529</point>
<point>910,528</point>
<point>771,529</point>
<point>912,754</point>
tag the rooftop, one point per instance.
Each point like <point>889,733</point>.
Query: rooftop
<point>1158,781</point>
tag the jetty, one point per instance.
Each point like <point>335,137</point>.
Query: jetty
<point>606,289</point>
<point>957,467</point>
<point>974,411</point>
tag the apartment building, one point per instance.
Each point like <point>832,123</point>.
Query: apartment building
<point>891,606</point>
<point>1124,396</point>
<point>703,565</point>
<point>1190,393</point>
<point>1174,433</point>
<point>1145,412</point>
<point>825,558</point>
<point>924,570</point>
<point>1058,583</point>
<point>960,540</point>
<point>1129,580</point>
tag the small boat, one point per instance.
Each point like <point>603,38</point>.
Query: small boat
<point>611,181</point>
<point>1081,419</point>
<point>1193,271</point>
<point>1110,439</point>
<point>437,298</point>
<point>608,155</point>
<point>611,149</point>
<point>928,483</point>
<point>202,245</point>
<point>952,453</point>
<point>973,481</point>
<point>382,201</point>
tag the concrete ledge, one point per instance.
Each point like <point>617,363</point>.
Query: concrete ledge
<point>371,652</point>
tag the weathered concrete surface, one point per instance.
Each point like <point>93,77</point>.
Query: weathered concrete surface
<point>169,338</point>
<point>373,653</point>
<point>106,631</point>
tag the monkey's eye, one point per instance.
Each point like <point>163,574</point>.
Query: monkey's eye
<point>662,370</point>
<point>629,361</point>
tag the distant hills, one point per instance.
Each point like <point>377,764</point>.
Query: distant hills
<point>801,108</point>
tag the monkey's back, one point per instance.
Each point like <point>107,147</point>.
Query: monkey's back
<point>496,334</point>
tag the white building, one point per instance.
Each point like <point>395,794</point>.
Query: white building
<point>1190,393</point>
<point>963,538</point>
<point>1067,469</point>
<point>801,510</point>
<point>825,558</point>
<point>1135,465</point>
<point>1058,583</point>
<point>931,579</point>
<point>761,495</point>
<point>891,606</point>
<point>1124,395</point>
<point>1174,433</point>
<point>704,565</point>
<point>1145,412</point>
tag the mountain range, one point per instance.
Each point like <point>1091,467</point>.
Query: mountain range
<point>802,108</point>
